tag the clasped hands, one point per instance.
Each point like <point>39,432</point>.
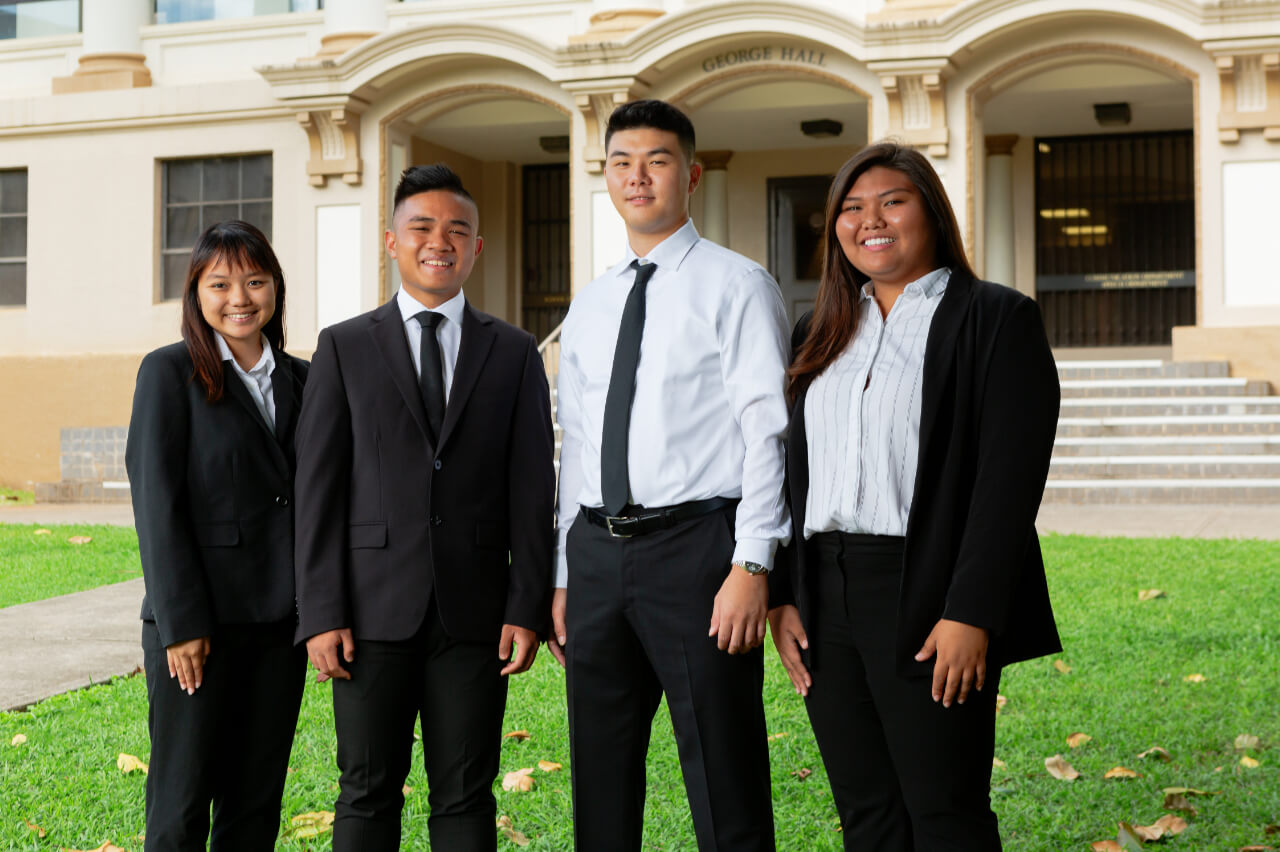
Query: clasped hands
<point>327,651</point>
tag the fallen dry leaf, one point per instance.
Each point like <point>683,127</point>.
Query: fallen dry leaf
<point>519,781</point>
<point>1106,846</point>
<point>1060,769</point>
<point>803,772</point>
<point>310,824</point>
<point>1157,752</point>
<point>776,736</point>
<point>1062,667</point>
<point>1256,848</point>
<point>1195,678</point>
<point>508,831</point>
<point>997,763</point>
<point>1149,594</point>
<point>1128,838</point>
<point>1077,739</point>
<point>549,766</point>
<point>406,789</point>
<point>128,763</point>
<point>43,531</point>
<point>1248,762</point>
<point>1121,772</point>
<point>1271,829</point>
<point>1001,701</point>
<point>18,739</point>
<point>1244,742</point>
<point>1190,791</point>
<point>1167,824</point>
<point>80,539</point>
<point>1179,802</point>
<point>107,846</point>
<point>31,826</point>
<point>519,736</point>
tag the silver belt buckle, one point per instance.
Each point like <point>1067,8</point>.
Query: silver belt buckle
<point>608,523</point>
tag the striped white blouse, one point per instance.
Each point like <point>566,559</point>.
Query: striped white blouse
<point>862,417</point>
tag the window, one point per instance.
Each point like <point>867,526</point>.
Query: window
<point>13,237</point>
<point>198,193</point>
<point>177,11</point>
<point>31,18</point>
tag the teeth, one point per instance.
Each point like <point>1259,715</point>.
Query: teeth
<point>238,316</point>
<point>436,263</point>
<point>880,241</point>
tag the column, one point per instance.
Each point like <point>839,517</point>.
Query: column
<point>112,57</point>
<point>998,253</point>
<point>715,196</point>
<point>350,22</point>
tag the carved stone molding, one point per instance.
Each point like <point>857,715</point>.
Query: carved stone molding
<point>1264,69</point>
<point>615,25</point>
<point>715,161</point>
<point>334,136</point>
<point>597,100</point>
<point>1001,144</point>
<point>336,44</point>
<point>916,93</point>
<point>100,72</point>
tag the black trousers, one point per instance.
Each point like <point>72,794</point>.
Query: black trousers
<point>907,774</point>
<point>248,704</point>
<point>637,620</point>
<point>458,691</point>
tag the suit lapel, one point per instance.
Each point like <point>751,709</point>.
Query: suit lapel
<point>477,339</point>
<point>388,334</point>
<point>234,387</point>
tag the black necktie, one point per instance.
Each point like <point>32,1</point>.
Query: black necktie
<point>614,484</point>
<point>431,376</point>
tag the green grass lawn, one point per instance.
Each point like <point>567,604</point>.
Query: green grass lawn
<point>16,497</point>
<point>37,566</point>
<point>1126,688</point>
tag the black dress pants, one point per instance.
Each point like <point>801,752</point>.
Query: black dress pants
<point>637,620</point>
<point>907,774</point>
<point>228,745</point>
<point>458,691</point>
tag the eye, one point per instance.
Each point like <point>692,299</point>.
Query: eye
<point>850,208</point>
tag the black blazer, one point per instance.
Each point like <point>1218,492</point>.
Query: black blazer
<point>211,486</point>
<point>386,519</point>
<point>988,416</point>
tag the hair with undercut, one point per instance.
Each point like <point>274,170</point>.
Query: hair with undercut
<point>417,179</point>
<point>655,114</point>
<point>242,247</point>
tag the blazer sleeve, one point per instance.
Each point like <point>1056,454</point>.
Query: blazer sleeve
<point>156,459</point>
<point>531,495</point>
<point>781,578</point>
<point>322,495</point>
<point>1016,422</point>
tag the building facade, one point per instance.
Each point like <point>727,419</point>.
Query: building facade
<point>1116,160</point>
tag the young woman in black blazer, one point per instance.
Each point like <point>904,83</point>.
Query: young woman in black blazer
<point>211,464</point>
<point>924,405</point>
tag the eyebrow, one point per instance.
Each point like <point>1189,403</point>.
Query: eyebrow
<point>852,197</point>
<point>249,273</point>
<point>648,153</point>
<point>463,222</point>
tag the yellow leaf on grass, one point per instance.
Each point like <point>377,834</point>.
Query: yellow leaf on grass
<point>1166,825</point>
<point>518,736</point>
<point>18,739</point>
<point>1001,701</point>
<point>549,766</point>
<point>1077,739</point>
<point>107,846</point>
<point>310,824</point>
<point>1155,751</point>
<point>520,781</point>
<point>777,736</point>
<point>80,539</point>
<point>31,826</point>
<point>1256,848</point>
<point>1062,667</point>
<point>128,763</point>
<point>509,831</point>
<point>1248,762</point>
<point>43,531</point>
<point>1179,802</point>
<point>1060,769</point>
<point>406,789</point>
<point>1244,742</point>
<point>997,763</point>
<point>1195,678</point>
<point>1121,772</point>
<point>1106,846</point>
<point>1149,594</point>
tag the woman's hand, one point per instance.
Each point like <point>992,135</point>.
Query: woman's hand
<point>789,638</point>
<point>186,662</point>
<point>961,662</point>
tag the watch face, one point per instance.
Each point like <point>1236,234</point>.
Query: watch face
<point>753,567</point>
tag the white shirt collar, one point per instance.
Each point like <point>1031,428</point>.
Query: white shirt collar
<point>411,307</point>
<point>267,363</point>
<point>669,253</point>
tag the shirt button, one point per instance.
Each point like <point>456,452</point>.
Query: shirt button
<point>439,464</point>
<point>436,520</point>
<point>282,500</point>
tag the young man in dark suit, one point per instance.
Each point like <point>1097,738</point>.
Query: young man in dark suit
<point>424,528</point>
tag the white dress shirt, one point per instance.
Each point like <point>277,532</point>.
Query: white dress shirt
<point>709,412</point>
<point>448,333</point>
<point>862,417</point>
<point>258,380</point>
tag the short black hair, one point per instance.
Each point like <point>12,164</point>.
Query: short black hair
<point>659,115</point>
<point>416,179</point>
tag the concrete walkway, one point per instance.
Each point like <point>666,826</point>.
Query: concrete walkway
<point>76,640</point>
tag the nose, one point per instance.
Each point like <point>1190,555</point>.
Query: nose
<point>238,295</point>
<point>639,174</point>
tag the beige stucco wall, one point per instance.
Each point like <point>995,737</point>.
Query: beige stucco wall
<point>1253,351</point>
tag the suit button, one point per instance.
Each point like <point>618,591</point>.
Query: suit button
<point>282,500</point>
<point>439,464</point>
<point>436,520</point>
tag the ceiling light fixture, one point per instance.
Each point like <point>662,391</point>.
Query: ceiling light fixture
<point>821,128</point>
<point>1112,115</point>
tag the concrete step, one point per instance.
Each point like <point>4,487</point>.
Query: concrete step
<point>1141,369</point>
<point>1170,406</point>
<point>1212,424</point>
<point>1212,491</point>
<point>1166,467</point>
<point>1168,445</point>
<point>1163,387</point>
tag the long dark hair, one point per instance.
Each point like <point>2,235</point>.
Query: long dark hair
<point>832,324</point>
<point>242,246</point>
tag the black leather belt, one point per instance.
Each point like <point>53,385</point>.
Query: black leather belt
<point>640,520</point>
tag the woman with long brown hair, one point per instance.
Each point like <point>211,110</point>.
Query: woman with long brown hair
<point>923,409</point>
<point>211,463</point>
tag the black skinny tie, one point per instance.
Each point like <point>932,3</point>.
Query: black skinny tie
<point>431,376</point>
<point>614,483</point>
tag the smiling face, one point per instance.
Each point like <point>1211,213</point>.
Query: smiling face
<point>649,183</point>
<point>237,303</point>
<point>886,230</point>
<point>434,244</point>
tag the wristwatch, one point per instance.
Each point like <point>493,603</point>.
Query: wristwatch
<point>755,569</point>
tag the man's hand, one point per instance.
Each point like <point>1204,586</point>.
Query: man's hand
<point>961,662</point>
<point>559,636</point>
<point>323,650</point>
<point>186,662</point>
<point>789,638</point>
<point>526,642</point>
<point>740,611</point>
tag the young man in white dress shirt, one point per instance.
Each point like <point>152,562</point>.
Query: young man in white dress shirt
<point>670,504</point>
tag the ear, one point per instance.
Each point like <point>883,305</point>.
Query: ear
<point>389,239</point>
<point>479,245</point>
<point>695,175</point>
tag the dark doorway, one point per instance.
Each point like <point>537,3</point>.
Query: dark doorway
<point>1115,237</point>
<point>797,207</point>
<point>545,289</point>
